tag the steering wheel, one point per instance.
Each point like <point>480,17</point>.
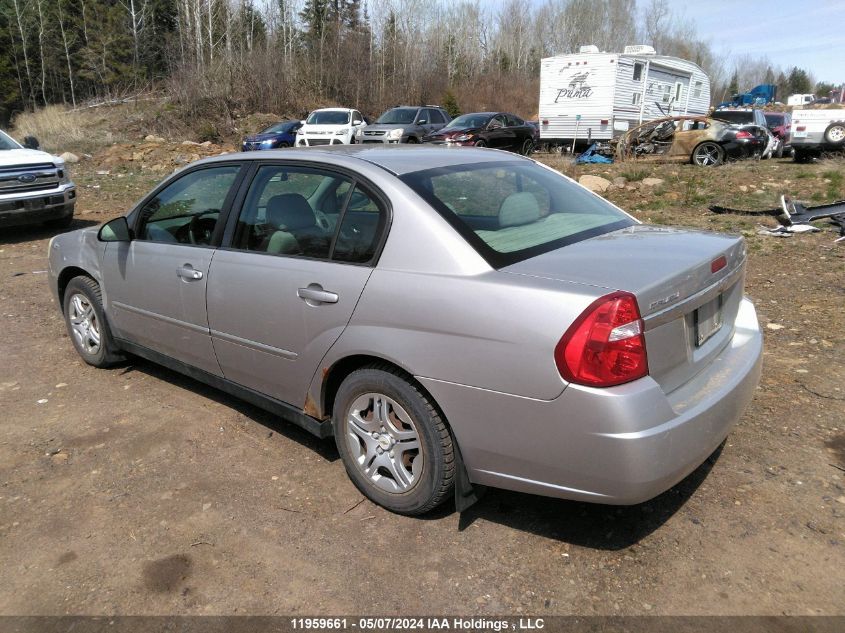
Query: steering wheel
<point>201,228</point>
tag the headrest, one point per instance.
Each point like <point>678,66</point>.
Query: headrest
<point>290,211</point>
<point>519,208</point>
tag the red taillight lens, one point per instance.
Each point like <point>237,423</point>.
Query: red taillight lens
<point>801,128</point>
<point>718,264</point>
<point>743,134</point>
<point>605,346</point>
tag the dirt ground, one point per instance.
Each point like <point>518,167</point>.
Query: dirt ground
<point>138,491</point>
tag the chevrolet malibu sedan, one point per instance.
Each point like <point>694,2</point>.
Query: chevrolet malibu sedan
<point>453,317</point>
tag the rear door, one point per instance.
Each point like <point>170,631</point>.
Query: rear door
<point>156,284</point>
<point>295,262</point>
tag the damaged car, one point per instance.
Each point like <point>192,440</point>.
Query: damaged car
<point>702,141</point>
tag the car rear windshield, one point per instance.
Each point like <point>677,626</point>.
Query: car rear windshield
<point>510,211</point>
<point>775,119</point>
<point>734,116</point>
<point>6,142</point>
<point>398,115</point>
<point>328,117</point>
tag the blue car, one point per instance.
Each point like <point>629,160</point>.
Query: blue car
<point>277,135</point>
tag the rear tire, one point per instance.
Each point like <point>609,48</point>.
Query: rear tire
<point>835,133</point>
<point>395,445</point>
<point>801,156</point>
<point>708,154</point>
<point>480,144</point>
<point>86,323</point>
<point>527,147</point>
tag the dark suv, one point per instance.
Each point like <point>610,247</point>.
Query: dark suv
<point>404,124</point>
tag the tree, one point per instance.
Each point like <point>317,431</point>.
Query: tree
<point>798,82</point>
<point>450,104</point>
<point>823,89</point>
<point>733,87</point>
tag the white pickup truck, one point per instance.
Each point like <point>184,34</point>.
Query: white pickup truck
<point>35,187</point>
<point>815,131</point>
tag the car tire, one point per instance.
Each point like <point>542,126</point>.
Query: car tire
<point>779,152</point>
<point>708,154</point>
<point>835,133</point>
<point>394,443</point>
<point>480,144</point>
<point>527,147</point>
<point>86,323</point>
<point>412,140</point>
<point>283,145</point>
<point>800,156</point>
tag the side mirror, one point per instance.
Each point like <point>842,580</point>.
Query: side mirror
<point>357,122</point>
<point>302,122</point>
<point>116,230</point>
<point>30,142</point>
<point>422,121</point>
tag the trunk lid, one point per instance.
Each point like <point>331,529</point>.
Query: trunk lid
<point>688,309</point>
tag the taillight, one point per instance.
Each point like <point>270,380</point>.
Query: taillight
<point>801,128</point>
<point>605,346</point>
<point>743,134</point>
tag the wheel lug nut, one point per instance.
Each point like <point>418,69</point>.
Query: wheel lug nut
<point>375,435</point>
<point>391,453</point>
<point>380,450</point>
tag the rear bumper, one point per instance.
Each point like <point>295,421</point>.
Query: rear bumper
<point>622,445</point>
<point>37,207</point>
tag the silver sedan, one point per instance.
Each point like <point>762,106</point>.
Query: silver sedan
<point>454,317</point>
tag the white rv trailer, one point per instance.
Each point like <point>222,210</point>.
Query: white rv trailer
<point>597,96</point>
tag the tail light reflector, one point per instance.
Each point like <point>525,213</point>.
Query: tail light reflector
<point>801,128</point>
<point>605,346</point>
<point>718,264</point>
<point>743,134</point>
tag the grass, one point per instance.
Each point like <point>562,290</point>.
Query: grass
<point>634,175</point>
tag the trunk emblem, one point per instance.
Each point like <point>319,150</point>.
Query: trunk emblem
<point>662,302</point>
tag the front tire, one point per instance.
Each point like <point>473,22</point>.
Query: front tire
<point>395,445</point>
<point>708,154</point>
<point>480,144</point>
<point>86,323</point>
<point>527,147</point>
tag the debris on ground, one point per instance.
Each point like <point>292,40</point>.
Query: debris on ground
<point>591,155</point>
<point>156,154</point>
<point>795,217</point>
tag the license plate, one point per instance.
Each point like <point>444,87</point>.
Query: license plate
<point>800,135</point>
<point>708,320</point>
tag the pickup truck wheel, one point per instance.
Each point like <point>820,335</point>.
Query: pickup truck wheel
<point>835,133</point>
<point>801,156</point>
<point>86,323</point>
<point>395,446</point>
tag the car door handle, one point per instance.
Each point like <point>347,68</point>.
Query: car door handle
<point>189,273</point>
<point>315,293</point>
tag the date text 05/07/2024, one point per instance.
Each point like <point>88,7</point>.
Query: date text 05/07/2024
<point>417,624</point>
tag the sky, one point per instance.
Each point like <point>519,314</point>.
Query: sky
<point>809,34</point>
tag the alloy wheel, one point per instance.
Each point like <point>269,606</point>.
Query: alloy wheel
<point>84,323</point>
<point>707,154</point>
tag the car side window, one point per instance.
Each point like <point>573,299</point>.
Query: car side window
<point>286,211</point>
<point>436,116</point>
<point>187,210</point>
<point>361,226</point>
<point>497,121</point>
<point>514,121</point>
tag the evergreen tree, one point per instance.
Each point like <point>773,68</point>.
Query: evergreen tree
<point>450,104</point>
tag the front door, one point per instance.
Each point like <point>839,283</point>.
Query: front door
<point>282,290</point>
<point>156,283</point>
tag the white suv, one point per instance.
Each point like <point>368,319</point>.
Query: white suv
<point>330,126</point>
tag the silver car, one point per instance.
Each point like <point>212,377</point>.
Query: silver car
<point>454,317</point>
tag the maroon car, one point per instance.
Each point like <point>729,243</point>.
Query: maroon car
<point>499,130</point>
<point>780,124</point>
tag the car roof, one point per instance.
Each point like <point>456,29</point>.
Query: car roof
<point>398,159</point>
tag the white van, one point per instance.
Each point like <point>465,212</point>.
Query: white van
<point>330,126</point>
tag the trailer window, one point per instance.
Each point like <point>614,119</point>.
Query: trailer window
<point>697,92</point>
<point>635,98</point>
<point>638,71</point>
